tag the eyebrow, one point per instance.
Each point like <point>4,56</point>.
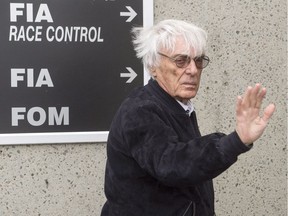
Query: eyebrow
<point>177,55</point>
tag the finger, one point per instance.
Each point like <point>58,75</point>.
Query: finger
<point>253,97</point>
<point>246,101</point>
<point>260,98</point>
<point>238,104</point>
<point>268,112</point>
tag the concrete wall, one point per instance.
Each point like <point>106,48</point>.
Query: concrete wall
<point>247,44</point>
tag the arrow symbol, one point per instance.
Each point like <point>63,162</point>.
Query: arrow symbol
<point>131,75</point>
<point>131,14</point>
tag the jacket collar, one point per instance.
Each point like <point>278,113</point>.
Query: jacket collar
<point>155,89</point>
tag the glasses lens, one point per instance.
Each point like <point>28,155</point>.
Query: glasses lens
<point>182,61</point>
<point>201,61</point>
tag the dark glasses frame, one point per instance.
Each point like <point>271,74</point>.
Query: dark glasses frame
<point>183,61</point>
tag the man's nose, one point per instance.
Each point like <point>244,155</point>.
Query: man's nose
<point>191,68</point>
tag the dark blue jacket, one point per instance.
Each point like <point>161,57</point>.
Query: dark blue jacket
<point>158,163</point>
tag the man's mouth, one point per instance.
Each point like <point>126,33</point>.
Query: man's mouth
<point>189,84</point>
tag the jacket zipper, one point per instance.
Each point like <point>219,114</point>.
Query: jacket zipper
<point>194,209</point>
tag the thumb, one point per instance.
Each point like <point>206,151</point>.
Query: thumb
<point>268,112</point>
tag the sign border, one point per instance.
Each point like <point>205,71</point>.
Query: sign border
<point>74,137</point>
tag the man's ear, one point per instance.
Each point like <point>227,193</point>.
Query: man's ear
<point>153,71</point>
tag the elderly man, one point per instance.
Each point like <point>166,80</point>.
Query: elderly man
<point>158,162</point>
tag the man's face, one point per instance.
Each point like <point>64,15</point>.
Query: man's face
<point>180,83</point>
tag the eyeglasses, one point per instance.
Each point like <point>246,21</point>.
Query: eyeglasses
<point>183,61</point>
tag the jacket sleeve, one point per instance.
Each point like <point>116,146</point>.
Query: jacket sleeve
<point>154,144</point>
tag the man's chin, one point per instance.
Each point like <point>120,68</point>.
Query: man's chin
<point>186,97</point>
<point>189,94</point>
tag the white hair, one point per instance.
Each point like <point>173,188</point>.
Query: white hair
<point>148,41</point>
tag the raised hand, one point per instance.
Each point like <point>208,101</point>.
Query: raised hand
<point>249,124</point>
